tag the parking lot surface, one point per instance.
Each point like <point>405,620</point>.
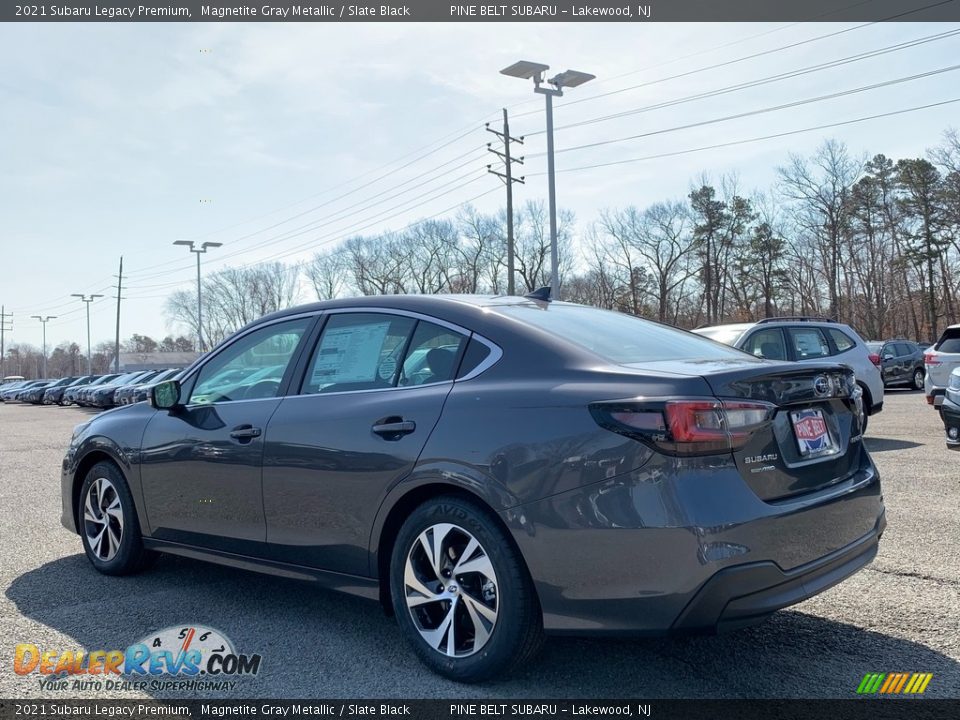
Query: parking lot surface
<point>901,614</point>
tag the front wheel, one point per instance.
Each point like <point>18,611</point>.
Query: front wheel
<point>461,594</point>
<point>109,526</point>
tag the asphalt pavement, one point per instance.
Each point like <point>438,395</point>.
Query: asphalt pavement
<point>901,614</point>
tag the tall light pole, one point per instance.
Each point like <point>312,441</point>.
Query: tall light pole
<point>44,319</point>
<point>87,299</point>
<point>198,251</point>
<point>568,78</point>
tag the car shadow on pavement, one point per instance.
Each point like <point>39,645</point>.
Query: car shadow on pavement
<point>880,444</point>
<point>316,643</point>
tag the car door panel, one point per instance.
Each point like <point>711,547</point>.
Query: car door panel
<point>201,486</point>
<point>201,462</point>
<point>326,471</point>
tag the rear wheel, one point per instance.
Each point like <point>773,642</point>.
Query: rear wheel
<point>108,523</point>
<point>918,376</point>
<point>461,594</point>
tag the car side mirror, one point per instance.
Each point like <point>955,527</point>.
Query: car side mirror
<point>166,395</point>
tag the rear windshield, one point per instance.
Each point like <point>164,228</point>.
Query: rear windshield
<point>950,342</point>
<point>617,337</point>
<point>725,335</point>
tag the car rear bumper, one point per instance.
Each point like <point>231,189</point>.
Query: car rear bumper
<point>743,595</point>
<point>661,550</point>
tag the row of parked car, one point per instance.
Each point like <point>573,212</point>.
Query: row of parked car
<point>101,391</point>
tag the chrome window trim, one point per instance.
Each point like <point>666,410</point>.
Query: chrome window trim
<point>488,362</point>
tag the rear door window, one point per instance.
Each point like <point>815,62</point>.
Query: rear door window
<point>433,355</point>
<point>767,343</point>
<point>808,343</point>
<point>358,351</point>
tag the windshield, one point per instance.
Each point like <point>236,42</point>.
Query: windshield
<point>618,337</point>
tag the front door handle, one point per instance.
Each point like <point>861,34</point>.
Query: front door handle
<point>245,433</point>
<point>393,428</point>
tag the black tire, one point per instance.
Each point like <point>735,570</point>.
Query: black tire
<point>517,634</point>
<point>129,556</point>
<point>918,377</point>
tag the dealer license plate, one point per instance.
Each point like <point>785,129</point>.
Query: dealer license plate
<point>813,436</point>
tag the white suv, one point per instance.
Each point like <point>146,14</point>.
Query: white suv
<point>939,361</point>
<point>806,339</point>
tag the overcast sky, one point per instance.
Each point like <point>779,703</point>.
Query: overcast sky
<point>119,139</point>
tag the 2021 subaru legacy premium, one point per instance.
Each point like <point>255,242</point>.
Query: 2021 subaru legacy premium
<point>491,469</point>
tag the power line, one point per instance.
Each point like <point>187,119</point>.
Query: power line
<point>743,58</point>
<point>757,139</point>
<point>761,81</point>
<point>761,111</point>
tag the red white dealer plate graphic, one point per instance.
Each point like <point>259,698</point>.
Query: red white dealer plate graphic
<point>813,437</point>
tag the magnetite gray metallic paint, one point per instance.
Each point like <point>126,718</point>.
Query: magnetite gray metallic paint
<point>617,537</point>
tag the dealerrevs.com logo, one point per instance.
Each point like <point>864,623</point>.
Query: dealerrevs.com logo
<point>184,657</point>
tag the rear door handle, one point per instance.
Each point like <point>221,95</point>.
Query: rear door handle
<point>393,428</point>
<point>245,432</point>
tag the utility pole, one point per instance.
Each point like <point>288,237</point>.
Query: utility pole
<point>116,345</point>
<point>44,319</point>
<point>4,329</point>
<point>508,180</point>
<point>87,300</point>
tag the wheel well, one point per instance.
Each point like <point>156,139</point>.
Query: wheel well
<point>402,510</point>
<point>83,468</point>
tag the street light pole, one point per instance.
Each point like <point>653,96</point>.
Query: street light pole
<point>568,78</point>
<point>202,249</point>
<point>44,319</point>
<point>86,301</point>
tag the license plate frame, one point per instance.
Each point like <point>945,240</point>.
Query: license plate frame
<point>812,433</point>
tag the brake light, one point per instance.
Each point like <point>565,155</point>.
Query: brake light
<point>930,359</point>
<point>686,427</point>
<point>875,359</point>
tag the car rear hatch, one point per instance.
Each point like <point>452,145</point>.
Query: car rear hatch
<point>943,357</point>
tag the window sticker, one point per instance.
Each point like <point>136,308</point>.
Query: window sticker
<point>349,354</point>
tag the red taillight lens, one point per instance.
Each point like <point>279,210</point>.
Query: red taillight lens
<point>875,359</point>
<point>686,427</point>
<point>930,359</point>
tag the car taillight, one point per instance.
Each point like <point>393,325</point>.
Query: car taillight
<point>875,359</point>
<point>686,427</point>
<point>930,359</point>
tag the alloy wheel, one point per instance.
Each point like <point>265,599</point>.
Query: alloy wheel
<point>103,519</point>
<point>451,590</point>
<point>918,379</point>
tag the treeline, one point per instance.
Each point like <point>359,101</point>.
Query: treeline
<point>871,242</point>
<point>68,359</point>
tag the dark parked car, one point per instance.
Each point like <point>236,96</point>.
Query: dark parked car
<point>491,468</point>
<point>72,394</point>
<point>102,396</point>
<point>53,395</point>
<point>35,395</point>
<point>17,393</point>
<point>950,410</point>
<point>900,362</point>
<point>141,391</point>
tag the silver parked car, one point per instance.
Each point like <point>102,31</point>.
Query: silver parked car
<point>806,339</point>
<point>939,361</point>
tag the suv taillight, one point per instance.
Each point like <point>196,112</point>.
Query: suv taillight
<point>875,359</point>
<point>930,359</point>
<point>686,427</point>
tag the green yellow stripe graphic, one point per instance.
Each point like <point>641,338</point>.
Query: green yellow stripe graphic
<point>894,683</point>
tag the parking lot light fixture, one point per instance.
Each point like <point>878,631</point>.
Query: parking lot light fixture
<point>44,319</point>
<point>553,87</point>
<point>198,251</point>
<point>87,299</point>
